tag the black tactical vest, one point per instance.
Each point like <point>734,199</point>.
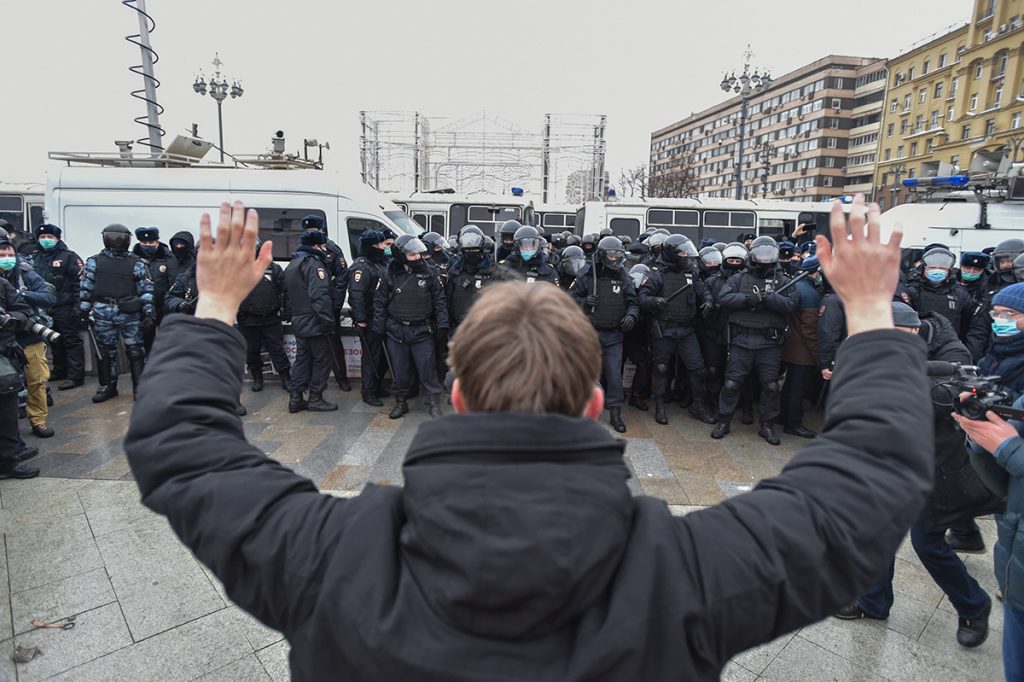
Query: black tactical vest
<point>114,277</point>
<point>762,318</point>
<point>410,298</point>
<point>683,308</point>
<point>466,287</point>
<point>264,299</point>
<point>940,302</point>
<point>611,303</point>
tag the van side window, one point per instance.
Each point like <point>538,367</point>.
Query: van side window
<point>625,227</point>
<point>356,226</point>
<point>282,226</point>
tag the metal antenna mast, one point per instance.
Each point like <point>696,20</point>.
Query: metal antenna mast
<point>148,94</point>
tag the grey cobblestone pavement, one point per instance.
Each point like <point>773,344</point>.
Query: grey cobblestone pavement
<point>77,542</point>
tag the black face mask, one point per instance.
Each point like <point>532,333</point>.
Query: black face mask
<point>419,267</point>
<point>180,250</point>
<point>728,267</point>
<point>762,269</point>
<point>473,258</point>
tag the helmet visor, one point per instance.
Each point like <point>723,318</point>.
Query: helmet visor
<point>764,254</point>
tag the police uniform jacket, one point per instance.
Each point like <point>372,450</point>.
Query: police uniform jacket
<point>62,268</point>
<point>308,284</point>
<point>176,265</point>
<point>831,329</point>
<point>267,303</point>
<point>462,285</point>
<point>183,295</point>
<point>363,278</point>
<point>122,275</point>
<point>757,325</point>
<point>713,324</point>
<point>337,266</point>
<point>979,331</point>
<point>407,303</point>
<point>616,298</point>
<point>159,266</point>
<point>537,269</point>
<point>680,316</point>
<point>514,550</point>
<point>948,299</point>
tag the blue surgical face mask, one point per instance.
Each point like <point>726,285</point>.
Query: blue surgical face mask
<point>970,276</point>
<point>8,263</point>
<point>936,275</point>
<point>999,327</point>
<point>387,250</point>
<point>47,244</point>
<point>527,255</point>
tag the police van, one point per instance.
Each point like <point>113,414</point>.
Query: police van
<point>21,204</point>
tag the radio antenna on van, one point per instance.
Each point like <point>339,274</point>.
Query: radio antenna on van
<point>148,94</point>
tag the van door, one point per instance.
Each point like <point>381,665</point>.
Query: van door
<point>432,221</point>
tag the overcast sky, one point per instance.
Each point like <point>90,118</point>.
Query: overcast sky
<point>309,66</point>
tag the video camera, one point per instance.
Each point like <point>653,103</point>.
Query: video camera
<point>38,323</point>
<point>987,395</point>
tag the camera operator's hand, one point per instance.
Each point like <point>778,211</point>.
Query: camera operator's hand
<point>84,317</point>
<point>861,269</point>
<point>826,374</point>
<point>988,434</point>
<point>226,271</point>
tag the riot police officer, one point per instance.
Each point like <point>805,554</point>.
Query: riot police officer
<point>711,326</point>
<point>605,293</point>
<point>528,259</point>
<point>364,276</point>
<point>62,268</point>
<point>308,285</point>
<point>636,346</point>
<point>939,292</point>
<point>157,257</point>
<point>437,251</point>
<point>757,327</point>
<point>117,291</point>
<point>675,296</point>
<point>409,300</point>
<point>980,331</point>
<point>259,320</point>
<point>506,240</point>
<point>572,264</point>
<point>468,274</point>
<point>337,269</point>
<point>589,244</point>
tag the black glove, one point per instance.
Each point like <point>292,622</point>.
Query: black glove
<point>186,307</point>
<point>83,317</point>
<point>707,310</point>
<point>628,322</point>
<point>660,303</point>
<point>442,335</point>
<point>754,300</point>
<point>592,300</point>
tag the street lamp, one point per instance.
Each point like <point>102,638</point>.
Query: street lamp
<point>746,85</point>
<point>219,90</point>
<point>767,153</point>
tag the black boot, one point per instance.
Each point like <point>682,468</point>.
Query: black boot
<point>747,415</point>
<point>722,427</point>
<point>108,383</point>
<point>659,411</point>
<point>344,384</point>
<point>767,431</point>
<point>972,632</point>
<point>136,363</point>
<point>318,404</point>
<point>637,401</point>
<point>296,403</point>
<point>615,419</point>
<point>434,406</point>
<point>699,410</point>
<point>240,410</point>
<point>400,408</point>
<point>286,380</point>
<point>257,377</point>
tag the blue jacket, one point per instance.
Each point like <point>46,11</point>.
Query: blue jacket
<point>36,292</point>
<point>1004,475</point>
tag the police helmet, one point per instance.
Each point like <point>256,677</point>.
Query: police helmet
<point>1006,252</point>
<point>720,246</point>
<point>638,273</point>
<point>646,233</point>
<point>611,252</point>
<point>471,240</point>
<point>434,242</point>
<point>657,239</point>
<point>453,244</point>
<point>116,237</point>
<point>573,261</point>
<point>710,258</point>
<point>508,230</point>
<point>939,258</point>
<point>528,241</point>
<point>573,240</point>
<point>558,240</point>
<point>405,246</point>
<point>626,240</point>
<point>606,232</point>
<point>677,248</point>
<point>6,226</point>
<point>662,230</point>
<point>764,251</point>
<point>1018,268</point>
<point>590,242</point>
<point>734,252</point>
<point>470,228</point>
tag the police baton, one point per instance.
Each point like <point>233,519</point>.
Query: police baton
<point>593,269</point>
<point>95,345</point>
<point>802,275</point>
<point>678,291</point>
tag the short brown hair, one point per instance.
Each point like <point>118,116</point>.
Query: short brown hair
<point>526,347</point>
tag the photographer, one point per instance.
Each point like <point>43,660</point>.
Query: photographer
<point>515,549</point>
<point>14,315</point>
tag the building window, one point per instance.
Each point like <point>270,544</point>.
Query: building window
<point>942,60</point>
<point>837,103</point>
<point>830,162</point>
<point>833,123</point>
<point>978,68</point>
<point>974,102</point>
<point>1015,123</point>
<point>906,102</point>
<point>895,106</point>
<point>833,143</point>
<point>954,86</point>
<point>888,131</point>
<point>928,147</point>
<point>990,127</point>
<point>949,115</point>
<point>910,73</point>
<point>918,123</point>
<point>938,89</point>
<point>954,161</point>
<point>912,173</point>
<point>888,154</point>
<point>913,149</point>
<point>899,152</point>
<point>933,122</point>
<point>997,100</point>
<point>965,132</point>
<point>904,124</point>
<point>926,67</point>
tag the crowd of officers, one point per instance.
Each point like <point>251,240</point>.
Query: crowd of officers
<point>711,328</point>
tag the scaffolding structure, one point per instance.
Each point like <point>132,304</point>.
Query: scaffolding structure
<point>406,152</point>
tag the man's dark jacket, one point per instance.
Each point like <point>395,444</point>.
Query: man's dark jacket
<point>308,286</point>
<point>515,551</point>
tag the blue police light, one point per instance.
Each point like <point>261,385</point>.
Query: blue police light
<point>939,181</point>
<point>517,191</point>
<point>611,193</point>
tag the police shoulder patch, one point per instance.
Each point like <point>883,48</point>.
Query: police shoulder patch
<point>56,263</point>
<point>821,311</point>
<point>163,268</point>
<point>320,273</point>
<point>358,276</point>
<point>906,297</point>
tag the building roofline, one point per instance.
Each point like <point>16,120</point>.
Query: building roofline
<point>930,41</point>
<point>777,84</point>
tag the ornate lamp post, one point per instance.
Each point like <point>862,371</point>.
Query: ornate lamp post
<point>219,90</point>
<point>746,85</point>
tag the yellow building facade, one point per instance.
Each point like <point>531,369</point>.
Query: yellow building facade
<point>952,96</point>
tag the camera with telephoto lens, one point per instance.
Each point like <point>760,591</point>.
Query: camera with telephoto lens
<point>986,393</point>
<point>39,323</point>
<point>7,323</point>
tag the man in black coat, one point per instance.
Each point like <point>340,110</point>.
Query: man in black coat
<point>62,268</point>
<point>363,278</point>
<point>259,320</point>
<point>337,268</point>
<point>183,248</point>
<point>157,258</point>
<point>514,549</point>
<point>308,284</point>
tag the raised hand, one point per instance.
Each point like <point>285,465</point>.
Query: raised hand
<point>226,271</point>
<point>861,269</point>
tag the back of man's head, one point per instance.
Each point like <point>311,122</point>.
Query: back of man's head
<point>526,347</point>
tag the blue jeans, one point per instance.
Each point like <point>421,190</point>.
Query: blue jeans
<point>1013,643</point>
<point>945,568</point>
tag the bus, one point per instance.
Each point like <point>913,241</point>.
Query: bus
<point>21,204</point>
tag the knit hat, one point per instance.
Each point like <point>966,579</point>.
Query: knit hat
<point>313,237</point>
<point>47,228</point>
<point>904,316</point>
<point>1011,297</point>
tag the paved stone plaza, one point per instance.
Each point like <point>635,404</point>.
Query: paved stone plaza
<point>78,543</point>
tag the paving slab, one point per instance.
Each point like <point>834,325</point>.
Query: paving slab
<point>759,658</point>
<point>256,633</point>
<point>112,506</point>
<point>247,669</point>
<point>275,661</point>
<point>62,598</point>
<point>802,661</point>
<point>43,553</point>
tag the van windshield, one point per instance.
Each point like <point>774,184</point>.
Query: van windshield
<point>407,224</point>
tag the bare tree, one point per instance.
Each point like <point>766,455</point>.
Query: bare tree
<point>633,181</point>
<point>678,182</point>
